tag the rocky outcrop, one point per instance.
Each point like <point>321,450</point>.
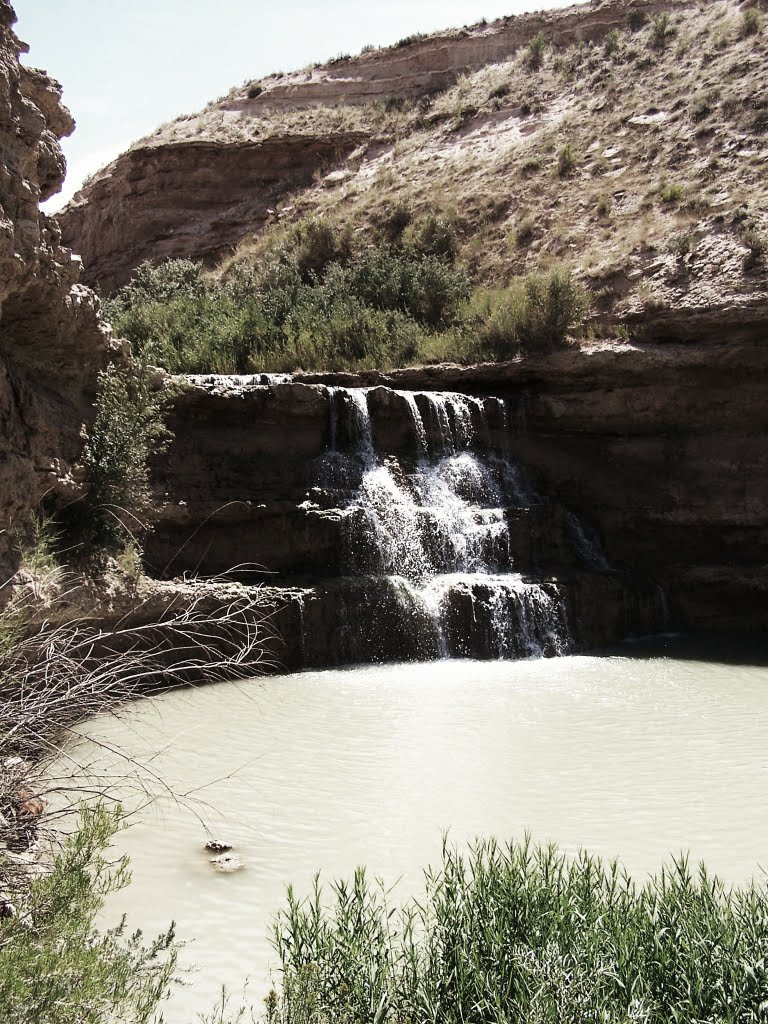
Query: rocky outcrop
<point>51,341</point>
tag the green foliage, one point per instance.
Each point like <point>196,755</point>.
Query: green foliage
<point>604,207</point>
<point>433,235</point>
<point>525,229</point>
<point>611,42</point>
<point>534,314</point>
<point>315,243</point>
<point>519,934</point>
<point>661,31</point>
<point>636,20</point>
<point>127,430</point>
<point>751,22</point>
<point>409,40</point>
<point>396,221</point>
<point>680,246</point>
<point>671,194</point>
<point>566,161</point>
<point>757,248</point>
<point>535,54</point>
<point>318,300</point>
<point>56,967</point>
<point>36,544</point>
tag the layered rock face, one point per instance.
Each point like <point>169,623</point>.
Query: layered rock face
<point>51,341</point>
<point>589,495</point>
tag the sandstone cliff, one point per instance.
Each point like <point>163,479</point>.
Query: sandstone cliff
<point>51,341</point>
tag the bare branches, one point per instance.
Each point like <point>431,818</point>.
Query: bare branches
<point>57,674</point>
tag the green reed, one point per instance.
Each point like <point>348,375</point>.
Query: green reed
<point>521,933</point>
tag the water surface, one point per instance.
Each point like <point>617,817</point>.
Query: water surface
<point>636,756</point>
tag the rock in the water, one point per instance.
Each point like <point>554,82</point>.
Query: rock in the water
<point>226,863</point>
<point>216,846</point>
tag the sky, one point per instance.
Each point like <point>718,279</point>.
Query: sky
<point>128,67</point>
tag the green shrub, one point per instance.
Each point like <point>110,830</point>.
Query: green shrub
<point>566,161</point>
<point>396,220</point>
<point>757,248</point>
<point>534,314</point>
<point>500,91</point>
<point>523,935</point>
<point>525,229</point>
<point>56,967</point>
<point>409,40</point>
<point>535,52</point>
<point>680,246</point>
<point>434,234</point>
<point>127,430</point>
<point>636,20</point>
<point>671,194</point>
<point>661,31</point>
<point>611,42</point>
<point>751,22</point>
<point>604,207</point>
<point>317,242</point>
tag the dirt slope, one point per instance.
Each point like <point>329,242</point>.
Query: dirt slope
<point>637,154</point>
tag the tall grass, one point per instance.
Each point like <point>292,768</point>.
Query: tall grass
<point>520,934</point>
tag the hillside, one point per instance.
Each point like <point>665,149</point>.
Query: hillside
<point>625,139</point>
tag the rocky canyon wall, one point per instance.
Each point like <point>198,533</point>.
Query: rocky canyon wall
<point>51,341</point>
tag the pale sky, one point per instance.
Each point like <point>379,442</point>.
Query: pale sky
<point>128,67</point>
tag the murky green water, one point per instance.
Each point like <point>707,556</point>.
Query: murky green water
<point>640,757</point>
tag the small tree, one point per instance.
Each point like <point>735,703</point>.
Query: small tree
<point>127,430</point>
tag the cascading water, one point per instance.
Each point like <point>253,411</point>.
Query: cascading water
<point>433,530</point>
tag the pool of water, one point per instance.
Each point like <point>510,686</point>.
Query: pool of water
<point>639,755</point>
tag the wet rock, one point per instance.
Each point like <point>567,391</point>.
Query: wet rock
<point>216,846</point>
<point>227,863</point>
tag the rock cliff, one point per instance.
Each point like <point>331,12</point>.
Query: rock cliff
<point>51,341</point>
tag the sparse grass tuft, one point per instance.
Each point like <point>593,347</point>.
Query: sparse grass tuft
<point>604,207</point>
<point>524,231</point>
<point>680,246</point>
<point>757,248</point>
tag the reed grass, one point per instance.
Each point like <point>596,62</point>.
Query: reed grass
<point>521,933</point>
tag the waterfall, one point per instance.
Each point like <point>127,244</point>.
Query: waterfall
<point>433,531</point>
